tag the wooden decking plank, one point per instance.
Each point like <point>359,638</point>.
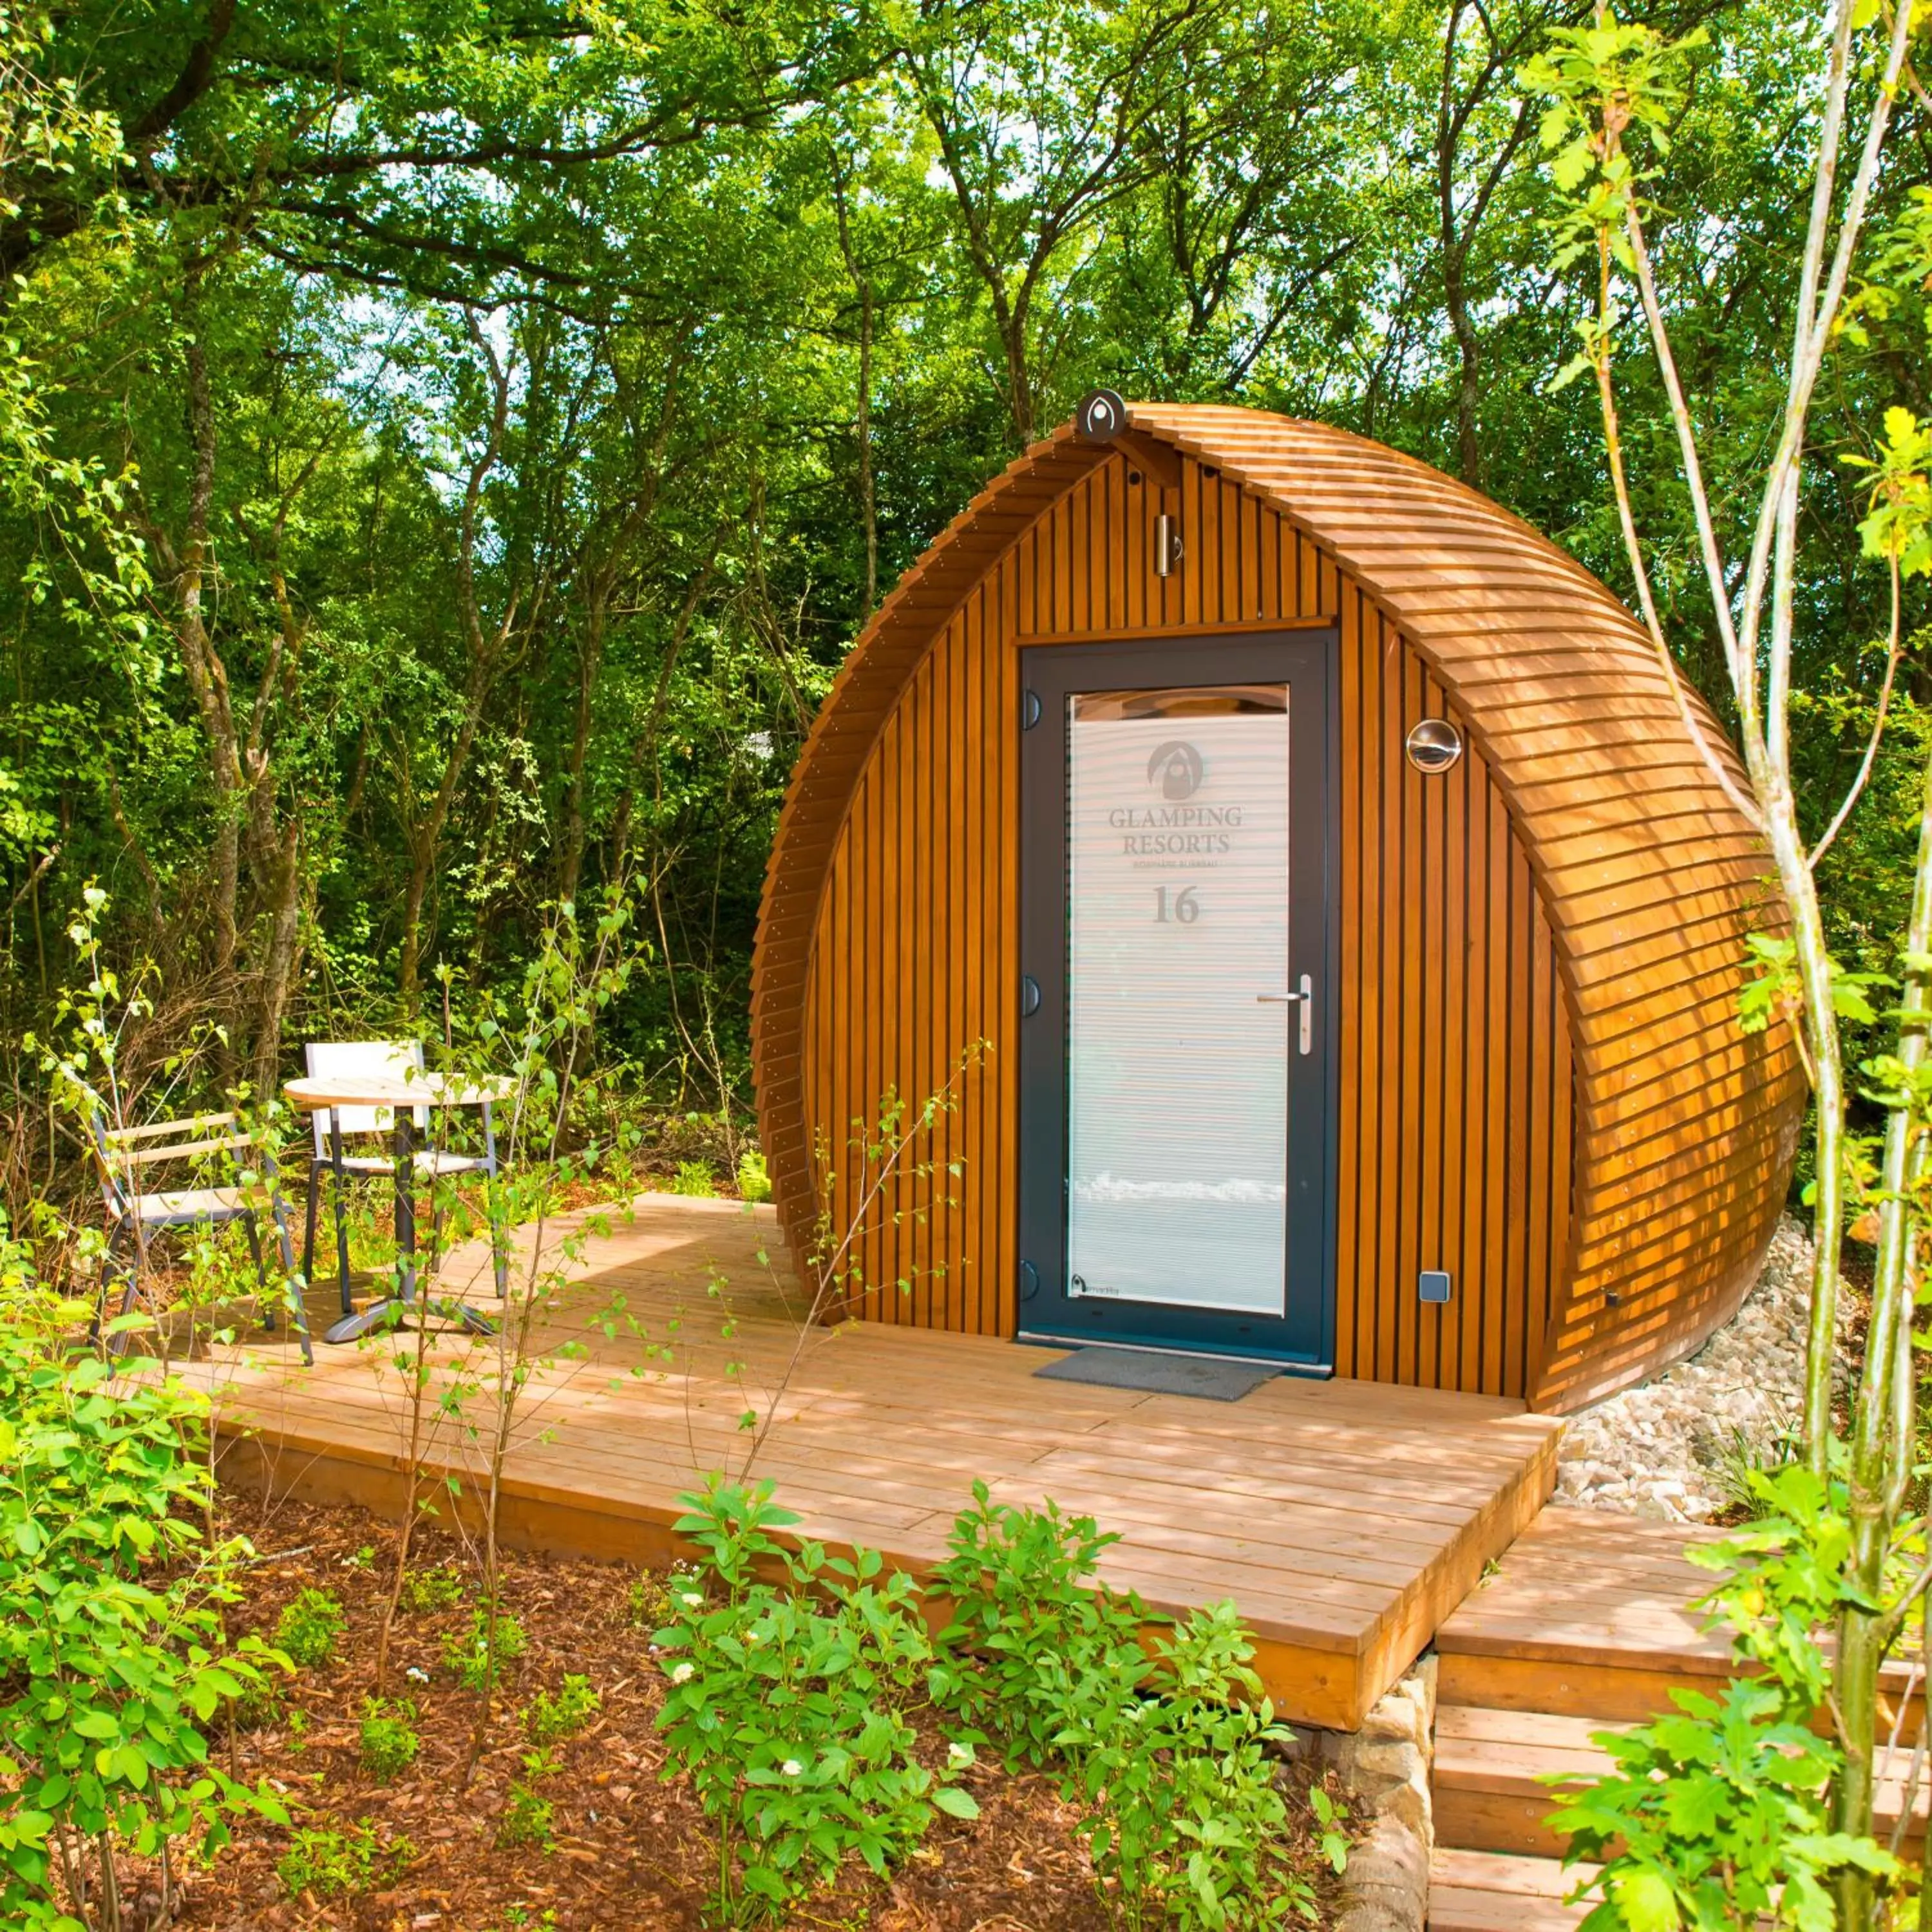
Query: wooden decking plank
<point>1343,1519</point>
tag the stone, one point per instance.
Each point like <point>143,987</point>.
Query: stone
<point>1670,1449</point>
<point>1385,1767</point>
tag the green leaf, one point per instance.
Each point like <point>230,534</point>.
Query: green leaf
<point>1645,1902</point>
<point>956,1803</point>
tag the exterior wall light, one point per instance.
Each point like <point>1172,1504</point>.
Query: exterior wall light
<point>1433,745</point>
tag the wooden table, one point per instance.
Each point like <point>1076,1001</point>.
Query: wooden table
<point>402,1095</point>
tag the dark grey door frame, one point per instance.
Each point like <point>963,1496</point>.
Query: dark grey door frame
<point>1304,1338</point>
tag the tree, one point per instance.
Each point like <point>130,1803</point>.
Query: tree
<point>1613,88</point>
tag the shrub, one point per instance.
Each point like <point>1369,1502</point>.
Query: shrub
<point>1033,1639</point>
<point>1165,1747</point>
<point>327,1863</point>
<point>1181,1810</point>
<point>427,1590</point>
<point>467,1652</point>
<point>527,1815</point>
<point>551,1719</point>
<point>389,1742</point>
<point>694,1177</point>
<point>113,1660</point>
<point>754,1179</point>
<point>1717,1814</point>
<point>308,1627</point>
<point>787,1705</point>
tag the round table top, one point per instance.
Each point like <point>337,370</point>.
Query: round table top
<point>392,1090</point>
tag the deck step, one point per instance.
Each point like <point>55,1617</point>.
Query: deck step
<point>1491,1892</point>
<point>1490,1765</point>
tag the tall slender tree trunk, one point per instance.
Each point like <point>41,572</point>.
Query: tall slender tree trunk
<point>1455,294</point>
<point>576,810</point>
<point>868,505</point>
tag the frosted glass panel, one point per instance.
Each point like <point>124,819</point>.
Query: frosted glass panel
<point>1177,918</point>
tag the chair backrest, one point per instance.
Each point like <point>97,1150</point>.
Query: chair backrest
<point>392,1058</point>
<point>122,1152</point>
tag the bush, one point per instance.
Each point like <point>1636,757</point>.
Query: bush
<point>308,1627</point>
<point>467,1652</point>
<point>326,1863</point>
<point>113,1659</point>
<point>1181,1810</point>
<point>694,1177</point>
<point>527,1816</point>
<point>388,1738</point>
<point>1032,1638</point>
<point>1718,1814</point>
<point>754,1179</point>
<point>1165,1747</point>
<point>427,1590</point>
<point>786,1709</point>
<point>551,1719</point>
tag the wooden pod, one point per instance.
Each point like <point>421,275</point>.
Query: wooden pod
<point>1540,1086</point>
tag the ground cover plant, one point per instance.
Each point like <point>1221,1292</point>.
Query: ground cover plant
<point>624,1846</point>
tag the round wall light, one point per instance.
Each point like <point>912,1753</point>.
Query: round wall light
<point>1433,745</point>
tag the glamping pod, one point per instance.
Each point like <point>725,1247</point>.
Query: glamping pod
<point>1350,916</point>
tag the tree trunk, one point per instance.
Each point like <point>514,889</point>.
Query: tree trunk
<point>869,507</point>
<point>576,810</point>
<point>1469,449</point>
<point>279,961</point>
<point>1881,1433</point>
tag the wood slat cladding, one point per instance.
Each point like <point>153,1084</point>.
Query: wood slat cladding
<point>1542,1087</point>
<point>1454,1093</point>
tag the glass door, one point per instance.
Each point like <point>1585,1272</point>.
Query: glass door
<point>1174,1136</point>
<point>1177,1073</point>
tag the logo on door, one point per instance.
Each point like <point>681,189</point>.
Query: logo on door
<point>1176,767</point>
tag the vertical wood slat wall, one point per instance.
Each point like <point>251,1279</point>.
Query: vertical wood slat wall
<point>1455,1101</point>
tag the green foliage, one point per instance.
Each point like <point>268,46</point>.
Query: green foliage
<point>1718,1815</point>
<point>754,1179</point>
<point>308,1627</point>
<point>527,1814</point>
<point>322,1862</point>
<point>552,1717</point>
<point>648,1602</point>
<point>428,1590</point>
<point>1176,1782</point>
<point>389,1743</point>
<point>113,1658</point>
<point>468,1653</point>
<point>1715,1816</point>
<point>1033,1638</point>
<point>787,1704</point>
<point>1165,1746</point>
<point>694,1177</point>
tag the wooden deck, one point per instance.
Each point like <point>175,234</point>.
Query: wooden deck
<point>1588,1625</point>
<point>1346,1519</point>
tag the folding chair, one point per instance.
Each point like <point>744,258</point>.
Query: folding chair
<point>124,1154</point>
<point>393,1060</point>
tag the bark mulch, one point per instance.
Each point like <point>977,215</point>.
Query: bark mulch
<point>629,1850</point>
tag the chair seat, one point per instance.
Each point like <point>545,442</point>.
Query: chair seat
<point>426,1160</point>
<point>190,1204</point>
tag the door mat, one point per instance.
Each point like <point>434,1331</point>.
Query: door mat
<point>1160,1373</point>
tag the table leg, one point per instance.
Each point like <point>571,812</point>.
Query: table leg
<point>401,1300</point>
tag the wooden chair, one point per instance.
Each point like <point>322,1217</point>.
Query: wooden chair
<point>386,1059</point>
<point>124,1154</point>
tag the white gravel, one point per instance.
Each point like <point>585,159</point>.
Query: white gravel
<point>1660,1450</point>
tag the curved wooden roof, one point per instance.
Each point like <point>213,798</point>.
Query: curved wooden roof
<point>1649,875</point>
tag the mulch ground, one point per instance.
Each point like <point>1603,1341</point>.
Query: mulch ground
<point>629,1849</point>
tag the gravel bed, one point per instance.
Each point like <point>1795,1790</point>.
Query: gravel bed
<point>1664,1449</point>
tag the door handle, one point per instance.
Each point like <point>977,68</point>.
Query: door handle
<point>1303,997</point>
